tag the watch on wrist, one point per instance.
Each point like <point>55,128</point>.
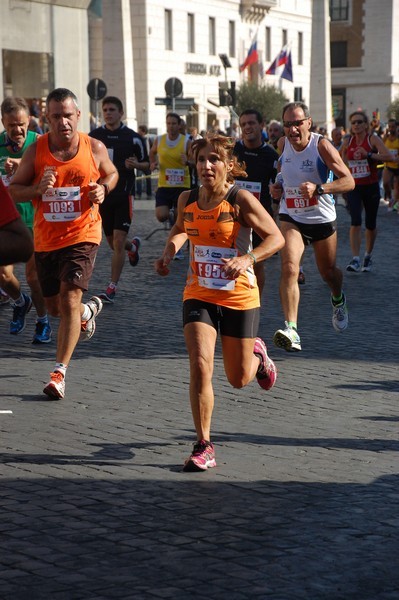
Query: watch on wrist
<point>320,190</point>
<point>106,188</point>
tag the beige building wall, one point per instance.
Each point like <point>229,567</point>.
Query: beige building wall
<point>44,45</point>
<point>371,79</point>
<point>200,72</point>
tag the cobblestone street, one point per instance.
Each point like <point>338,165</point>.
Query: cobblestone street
<point>304,502</point>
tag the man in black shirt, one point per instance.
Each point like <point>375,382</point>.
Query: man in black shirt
<point>261,165</point>
<point>127,150</point>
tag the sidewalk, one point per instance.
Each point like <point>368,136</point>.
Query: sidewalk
<point>304,502</point>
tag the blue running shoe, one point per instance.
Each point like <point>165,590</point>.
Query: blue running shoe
<point>42,333</point>
<point>18,323</point>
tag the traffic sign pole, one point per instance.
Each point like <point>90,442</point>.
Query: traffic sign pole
<point>97,89</point>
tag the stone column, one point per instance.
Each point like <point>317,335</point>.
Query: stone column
<point>320,70</point>
<point>118,69</point>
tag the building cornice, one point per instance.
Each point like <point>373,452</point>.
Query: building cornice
<point>255,11</point>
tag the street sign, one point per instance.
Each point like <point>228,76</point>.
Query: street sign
<point>184,103</point>
<point>165,101</point>
<point>97,89</point>
<point>173,87</point>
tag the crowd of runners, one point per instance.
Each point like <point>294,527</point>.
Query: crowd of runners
<point>232,201</point>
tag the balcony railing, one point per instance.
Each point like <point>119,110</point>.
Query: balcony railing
<point>255,10</point>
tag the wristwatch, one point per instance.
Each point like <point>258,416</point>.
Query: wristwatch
<point>320,190</point>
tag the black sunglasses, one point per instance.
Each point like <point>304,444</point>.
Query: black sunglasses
<point>357,122</point>
<point>294,123</point>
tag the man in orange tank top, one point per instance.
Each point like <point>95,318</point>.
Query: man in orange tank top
<point>68,175</point>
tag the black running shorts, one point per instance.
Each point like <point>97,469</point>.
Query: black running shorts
<point>233,323</point>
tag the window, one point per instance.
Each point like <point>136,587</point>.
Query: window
<point>191,33</point>
<point>212,36</point>
<point>298,94</point>
<point>339,55</point>
<point>339,10</point>
<point>168,30</point>
<point>232,38</point>
<point>300,48</point>
<point>285,37</point>
<point>268,44</point>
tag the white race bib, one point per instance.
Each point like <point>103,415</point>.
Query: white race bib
<point>62,204</point>
<point>254,187</point>
<point>174,177</point>
<point>295,200</point>
<point>6,179</point>
<point>359,168</point>
<point>208,267</point>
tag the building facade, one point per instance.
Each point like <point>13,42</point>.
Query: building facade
<point>364,57</point>
<point>158,40</point>
<point>44,44</point>
<point>136,46</point>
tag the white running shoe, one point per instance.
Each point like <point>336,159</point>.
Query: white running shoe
<point>340,317</point>
<point>354,266</point>
<point>55,389</point>
<point>288,339</point>
<point>88,327</point>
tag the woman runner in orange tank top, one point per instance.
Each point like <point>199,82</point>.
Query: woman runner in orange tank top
<point>221,290</point>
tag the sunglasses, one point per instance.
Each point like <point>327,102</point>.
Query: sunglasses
<point>357,122</point>
<point>289,124</point>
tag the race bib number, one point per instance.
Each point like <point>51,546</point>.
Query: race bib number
<point>62,204</point>
<point>174,177</point>
<point>208,267</point>
<point>359,168</point>
<point>254,187</point>
<point>295,200</point>
<point>6,179</point>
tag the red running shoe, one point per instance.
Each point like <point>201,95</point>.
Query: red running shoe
<point>133,255</point>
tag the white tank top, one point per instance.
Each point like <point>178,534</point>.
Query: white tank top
<point>298,167</point>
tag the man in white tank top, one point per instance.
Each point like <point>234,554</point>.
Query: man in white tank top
<point>305,187</point>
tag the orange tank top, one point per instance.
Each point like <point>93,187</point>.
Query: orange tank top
<point>215,234</point>
<point>64,216</point>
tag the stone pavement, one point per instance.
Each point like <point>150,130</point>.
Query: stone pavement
<point>303,504</point>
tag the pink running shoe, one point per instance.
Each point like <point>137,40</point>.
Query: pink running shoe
<point>202,457</point>
<point>267,371</point>
<point>55,389</point>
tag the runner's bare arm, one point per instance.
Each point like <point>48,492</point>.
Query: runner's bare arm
<point>252,214</point>
<point>108,171</point>
<point>21,187</point>
<point>153,155</point>
<point>333,160</point>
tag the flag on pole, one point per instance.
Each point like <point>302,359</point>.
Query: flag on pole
<point>252,56</point>
<point>282,58</point>
<point>287,72</point>
<point>272,69</point>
